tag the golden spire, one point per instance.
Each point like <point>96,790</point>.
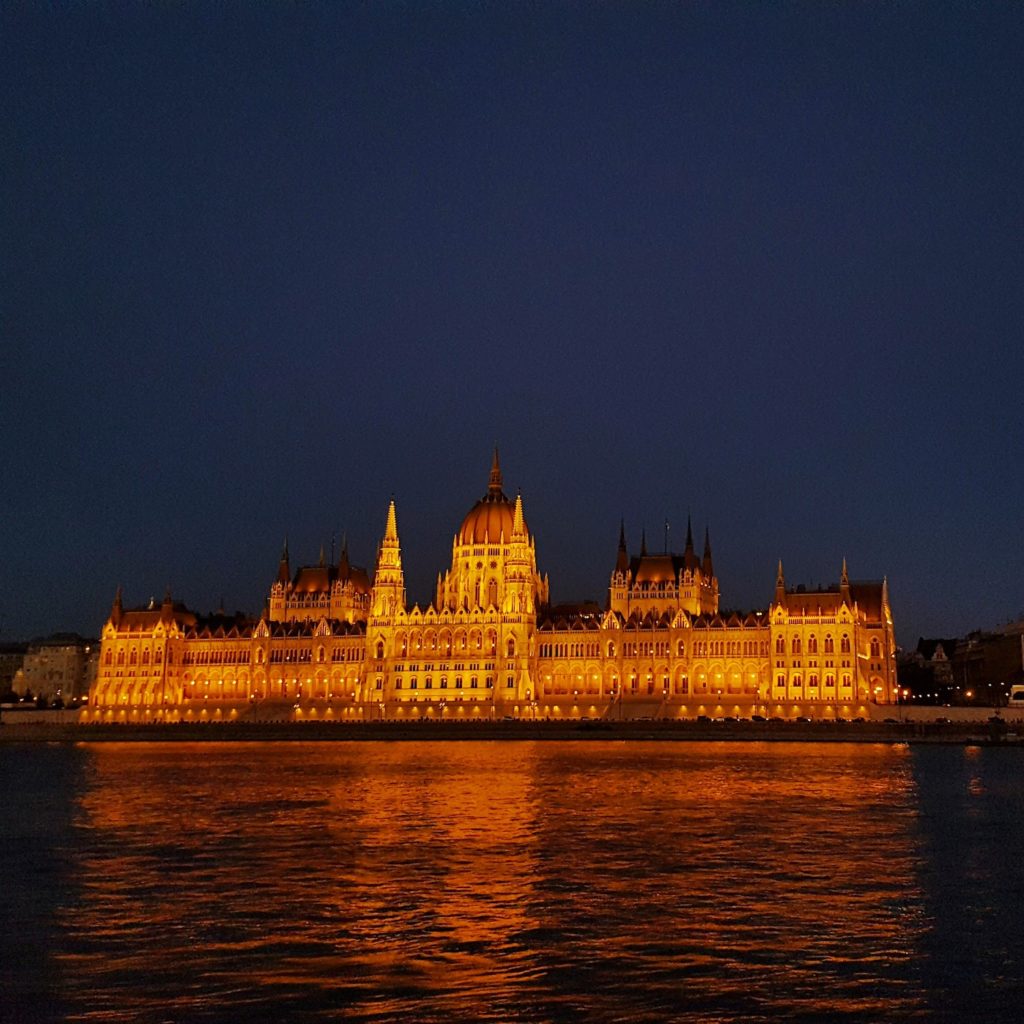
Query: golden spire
<point>391,530</point>
<point>518,524</point>
<point>389,554</point>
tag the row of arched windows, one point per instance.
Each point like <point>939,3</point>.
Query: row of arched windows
<point>133,656</point>
<point>796,644</point>
<point>445,641</point>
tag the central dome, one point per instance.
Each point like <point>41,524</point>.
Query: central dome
<point>492,516</point>
<point>487,520</point>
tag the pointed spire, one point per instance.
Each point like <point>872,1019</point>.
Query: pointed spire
<point>495,484</point>
<point>284,573</point>
<point>643,542</point>
<point>168,604</point>
<point>389,553</point>
<point>844,582</point>
<point>622,558</point>
<point>708,567</point>
<point>689,553</point>
<point>391,530</point>
<point>344,568</point>
<point>518,522</point>
<point>117,608</point>
<point>388,578</point>
<point>780,585</point>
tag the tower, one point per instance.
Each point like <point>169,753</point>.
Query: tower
<point>388,580</point>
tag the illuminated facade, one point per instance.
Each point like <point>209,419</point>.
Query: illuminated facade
<point>332,643</point>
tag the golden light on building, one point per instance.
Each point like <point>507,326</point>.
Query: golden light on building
<point>492,644</point>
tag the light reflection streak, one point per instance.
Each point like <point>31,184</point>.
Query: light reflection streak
<point>497,881</point>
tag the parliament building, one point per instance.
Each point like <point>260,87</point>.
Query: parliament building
<point>336,642</point>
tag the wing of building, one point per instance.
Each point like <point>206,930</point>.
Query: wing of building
<point>335,641</point>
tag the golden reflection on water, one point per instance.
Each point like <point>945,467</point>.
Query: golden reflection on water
<point>495,881</point>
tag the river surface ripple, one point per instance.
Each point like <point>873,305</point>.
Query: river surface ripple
<point>513,881</point>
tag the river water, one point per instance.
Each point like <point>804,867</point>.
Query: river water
<point>533,881</point>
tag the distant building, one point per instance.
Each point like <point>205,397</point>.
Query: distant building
<point>926,672</point>
<point>937,657</point>
<point>979,668</point>
<point>12,657</point>
<point>338,641</point>
<point>988,664</point>
<point>63,666</point>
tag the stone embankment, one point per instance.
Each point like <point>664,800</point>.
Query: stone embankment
<point>22,729</point>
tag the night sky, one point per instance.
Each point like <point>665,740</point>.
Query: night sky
<point>265,265</point>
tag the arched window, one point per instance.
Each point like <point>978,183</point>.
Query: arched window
<point>681,649</point>
<point>796,645</point>
<point>108,658</point>
<point>780,646</point>
<point>320,655</point>
<point>133,657</point>
<point>812,644</point>
<point>380,649</point>
<point>611,648</point>
<point>876,650</point>
<point>830,646</point>
<point>844,644</point>
<point>511,647</point>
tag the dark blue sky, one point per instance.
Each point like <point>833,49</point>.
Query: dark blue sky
<point>264,265</point>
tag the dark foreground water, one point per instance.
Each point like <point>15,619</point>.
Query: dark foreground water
<point>511,882</point>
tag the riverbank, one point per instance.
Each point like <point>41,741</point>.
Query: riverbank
<point>262,732</point>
